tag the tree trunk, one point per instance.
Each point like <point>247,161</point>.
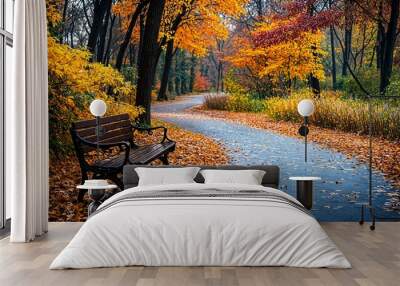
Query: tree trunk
<point>171,82</point>
<point>64,16</point>
<point>348,33</point>
<point>183,74</point>
<point>141,36</point>
<point>103,34</point>
<point>192,73</point>
<point>100,8</point>
<point>132,55</point>
<point>333,54</point>
<point>259,4</point>
<point>178,90</point>
<point>203,69</point>
<point>162,94</point>
<point>148,56</point>
<point>363,47</point>
<point>380,41</point>
<point>221,77</point>
<point>218,77</point>
<point>390,42</point>
<point>315,86</point>
<point>380,46</point>
<point>312,80</point>
<point>128,35</point>
<point>108,47</point>
<point>347,50</point>
<point>71,34</point>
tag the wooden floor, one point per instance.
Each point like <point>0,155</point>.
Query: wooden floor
<point>375,257</point>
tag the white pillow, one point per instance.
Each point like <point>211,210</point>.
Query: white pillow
<point>166,176</point>
<point>248,177</point>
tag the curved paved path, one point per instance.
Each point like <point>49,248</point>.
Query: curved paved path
<point>345,181</point>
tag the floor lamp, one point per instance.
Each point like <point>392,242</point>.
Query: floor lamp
<point>369,206</point>
<point>98,108</point>
<point>305,108</point>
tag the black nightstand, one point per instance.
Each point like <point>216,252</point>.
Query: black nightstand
<point>304,190</point>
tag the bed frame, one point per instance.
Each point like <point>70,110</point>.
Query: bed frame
<point>131,179</point>
<point>270,179</point>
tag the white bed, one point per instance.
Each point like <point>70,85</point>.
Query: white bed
<point>201,231</point>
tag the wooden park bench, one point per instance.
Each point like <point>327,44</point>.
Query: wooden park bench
<point>117,139</point>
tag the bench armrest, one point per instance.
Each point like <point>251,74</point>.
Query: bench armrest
<point>149,130</point>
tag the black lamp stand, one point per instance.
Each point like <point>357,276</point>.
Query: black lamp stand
<point>303,131</point>
<point>99,132</point>
<point>369,206</point>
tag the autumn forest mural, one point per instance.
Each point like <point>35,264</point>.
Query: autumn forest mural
<point>225,78</point>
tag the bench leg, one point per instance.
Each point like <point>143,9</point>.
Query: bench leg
<point>117,181</point>
<point>82,192</point>
<point>164,159</point>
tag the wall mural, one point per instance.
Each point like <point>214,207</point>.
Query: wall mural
<point>225,78</point>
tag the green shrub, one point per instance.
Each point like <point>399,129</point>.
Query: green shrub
<point>244,103</point>
<point>236,103</point>
<point>232,86</point>
<point>369,79</point>
<point>394,87</point>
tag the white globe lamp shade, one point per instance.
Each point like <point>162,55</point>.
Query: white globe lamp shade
<point>98,107</point>
<point>306,107</point>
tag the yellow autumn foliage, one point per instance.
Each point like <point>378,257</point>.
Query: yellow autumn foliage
<point>53,8</point>
<point>74,69</point>
<point>74,82</point>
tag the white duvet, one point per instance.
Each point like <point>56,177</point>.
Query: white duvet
<point>200,231</point>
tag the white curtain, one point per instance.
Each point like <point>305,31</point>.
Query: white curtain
<point>27,124</point>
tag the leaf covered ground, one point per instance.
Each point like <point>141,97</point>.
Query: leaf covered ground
<point>386,154</point>
<point>191,149</point>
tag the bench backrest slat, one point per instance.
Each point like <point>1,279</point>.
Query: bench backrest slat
<point>114,129</point>
<point>104,120</point>
<point>116,139</point>
<point>111,134</point>
<point>88,132</point>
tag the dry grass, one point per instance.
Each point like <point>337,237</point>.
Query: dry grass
<point>342,114</point>
<point>331,111</point>
<point>217,102</point>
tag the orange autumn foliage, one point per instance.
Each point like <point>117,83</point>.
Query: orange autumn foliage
<point>205,25</point>
<point>201,25</point>
<point>294,59</point>
<point>201,83</point>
